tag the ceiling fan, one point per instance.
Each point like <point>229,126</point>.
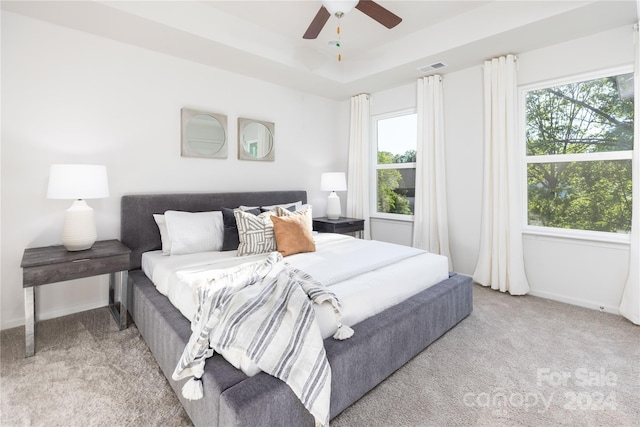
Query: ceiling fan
<point>341,8</point>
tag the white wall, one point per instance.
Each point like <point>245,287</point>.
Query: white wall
<point>578,272</point>
<point>71,97</point>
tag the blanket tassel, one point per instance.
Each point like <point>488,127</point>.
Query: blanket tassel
<point>343,332</point>
<point>192,389</point>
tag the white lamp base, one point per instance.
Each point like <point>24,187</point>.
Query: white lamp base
<point>79,229</point>
<point>333,206</point>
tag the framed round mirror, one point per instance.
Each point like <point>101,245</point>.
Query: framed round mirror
<point>255,140</point>
<point>203,134</point>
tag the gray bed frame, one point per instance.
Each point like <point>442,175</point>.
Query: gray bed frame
<point>381,344</point>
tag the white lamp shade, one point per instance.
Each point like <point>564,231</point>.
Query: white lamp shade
<point>333,181</point>
<point>78,182</point>
<point>335,6</point>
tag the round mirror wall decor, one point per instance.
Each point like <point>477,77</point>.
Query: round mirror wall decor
<point>203,134</point>
<point>256,140</point>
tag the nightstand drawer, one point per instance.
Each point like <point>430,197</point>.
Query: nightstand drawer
<point>340,225</point>
<point>76,269</point>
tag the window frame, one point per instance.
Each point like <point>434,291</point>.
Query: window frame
<point>373,177</point>
<point>589,235</point>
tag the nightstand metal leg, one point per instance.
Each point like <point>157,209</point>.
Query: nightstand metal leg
<point>29,321</point>
<point>123,286</point>
<point>118,285</point>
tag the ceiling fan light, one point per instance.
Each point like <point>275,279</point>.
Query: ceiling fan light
<point>343,6</point>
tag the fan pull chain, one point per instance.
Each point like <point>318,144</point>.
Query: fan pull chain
<point>339,43</point>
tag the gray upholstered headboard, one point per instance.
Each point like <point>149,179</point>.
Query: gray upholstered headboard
<point>140,232</point>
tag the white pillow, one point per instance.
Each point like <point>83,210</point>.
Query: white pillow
<point>164,233</point>
<point>192,232</point>
<point>297,205</point>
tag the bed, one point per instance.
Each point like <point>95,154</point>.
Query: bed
<point>381,344</point>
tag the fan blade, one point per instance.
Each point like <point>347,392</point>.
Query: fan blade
<point>379,13</point>
<point>317,24</point>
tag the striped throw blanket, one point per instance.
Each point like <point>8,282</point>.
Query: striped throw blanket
<point>262,311</point>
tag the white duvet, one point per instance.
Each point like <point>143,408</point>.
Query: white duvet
<point>366,276</point>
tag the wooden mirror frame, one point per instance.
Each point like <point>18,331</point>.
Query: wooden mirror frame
<point>245,152</point>
<point>189,146</point>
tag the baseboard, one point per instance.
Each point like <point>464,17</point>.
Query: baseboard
<point>14,323</point>
<point>576,301</point>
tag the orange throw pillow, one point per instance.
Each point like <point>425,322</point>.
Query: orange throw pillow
<point>292,235</point>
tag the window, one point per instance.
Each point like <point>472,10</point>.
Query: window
<point>579,144</point>
<point>395,137</point>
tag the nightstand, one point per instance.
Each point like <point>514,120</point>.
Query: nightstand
<point>341,225</point>
<point>51,264</point>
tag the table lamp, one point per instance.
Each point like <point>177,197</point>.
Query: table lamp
<point>78,182</point>
<point>333,181</point>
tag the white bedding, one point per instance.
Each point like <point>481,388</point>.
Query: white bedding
<point>361,296</point>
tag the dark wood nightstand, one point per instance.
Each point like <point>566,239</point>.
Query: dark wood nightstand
<point>341,225</point>
<point>51,264</point>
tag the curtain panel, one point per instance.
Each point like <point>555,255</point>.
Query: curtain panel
<point>501,259</point>
<point>359,159</point>
<point>630,303</point>
<point>430,224</point>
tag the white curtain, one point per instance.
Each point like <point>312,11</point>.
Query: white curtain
<point>630,304</point>
<point>430,228</point>
<point>501,261</point>
<point>359,161</point>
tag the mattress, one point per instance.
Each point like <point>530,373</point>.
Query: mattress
<point>362,296</point>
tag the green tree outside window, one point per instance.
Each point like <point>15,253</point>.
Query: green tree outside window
<point>581,120</point>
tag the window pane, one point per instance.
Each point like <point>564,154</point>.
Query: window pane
<point>592,195</point>
<point>396,190</point>
<point>397,139</point>
<point>582,117</point>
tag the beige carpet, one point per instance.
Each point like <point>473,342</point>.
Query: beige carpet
<point>516,361</point>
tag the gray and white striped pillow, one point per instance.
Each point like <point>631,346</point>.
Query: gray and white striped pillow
<point>255,232</point>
